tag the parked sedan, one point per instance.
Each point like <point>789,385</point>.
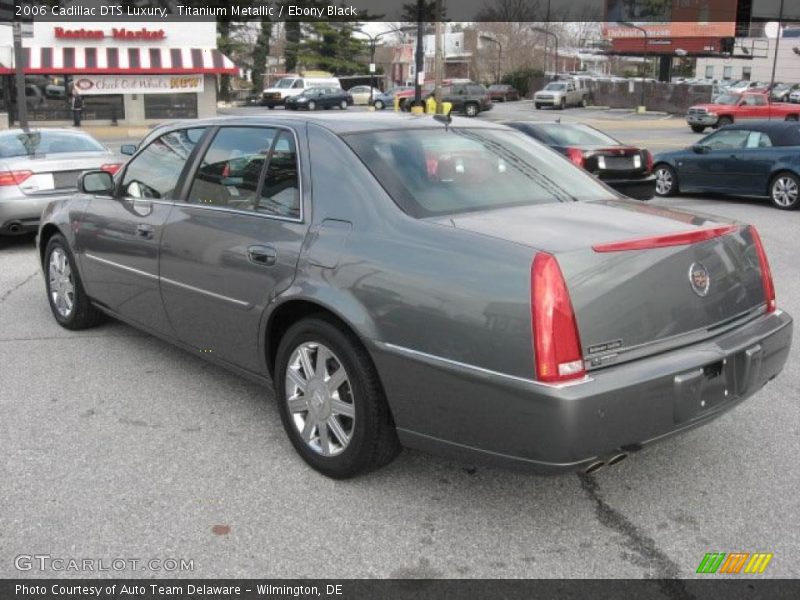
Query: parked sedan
<point>462,290</point>
<point>501,92</point>
<point>386,99</point>
<point>627,169</point>
<point>755,158</point>
<point>319,97</point>
<point>37,164</point>
<point>364,94</point>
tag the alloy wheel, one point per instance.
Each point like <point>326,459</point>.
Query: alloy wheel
<point>320,399</point>
<point>664,181</point>
<point>785,191</point>
<point>62,287</point>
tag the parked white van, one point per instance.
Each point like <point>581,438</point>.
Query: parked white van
<point>292,85</point>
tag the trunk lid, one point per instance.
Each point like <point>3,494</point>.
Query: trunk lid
<point>632,303</point>
<point>56,173</point>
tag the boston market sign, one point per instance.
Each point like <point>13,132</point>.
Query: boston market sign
<point>120,33</point>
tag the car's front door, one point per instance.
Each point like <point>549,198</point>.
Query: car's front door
<point>119,237</point>
<point>233,244</point>
<point>754,163</point>
<point>715,168</point>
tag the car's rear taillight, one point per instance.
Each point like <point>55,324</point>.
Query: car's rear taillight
<point>13,177</point>
<point>556,344</point>
<point>766,272</point>
<point>648,157</point>
<point>111,167</point>
<point>575,155</point>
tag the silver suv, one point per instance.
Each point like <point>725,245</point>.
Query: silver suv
<point>560,94</point>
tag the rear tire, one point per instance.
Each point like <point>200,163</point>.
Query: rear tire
<point>698,128</point>
<point>378,105</point>
<point>71,307</point>
<point>784,191</point>
<point>343,105</point>
<point>317,426</point>
<point>791,117</point>
<point>312,105</point>
<point>471,110</point>
<point>666,180</point>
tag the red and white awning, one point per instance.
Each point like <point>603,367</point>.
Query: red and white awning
<point>47,60</point>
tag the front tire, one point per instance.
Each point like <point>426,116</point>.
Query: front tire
<point>471,110</point>
<point>784,191</point>
<point>312,105</point>
<point>331,400</point>
<point>378,105</point>
<point>666,180</point>
<point>71,307</point>
<point>723,121</point>
<point>698,128</point>
<point>343,105</point>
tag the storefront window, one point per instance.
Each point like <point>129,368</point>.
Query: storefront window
<point>170,106</point>
<point>47,100</point>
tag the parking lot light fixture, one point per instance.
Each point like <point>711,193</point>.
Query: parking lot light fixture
<point>644,55</point>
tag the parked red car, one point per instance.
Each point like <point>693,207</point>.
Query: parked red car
<point>501,92</point>
<point>729,108</point>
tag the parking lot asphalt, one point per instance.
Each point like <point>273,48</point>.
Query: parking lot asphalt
<point>115,444</point>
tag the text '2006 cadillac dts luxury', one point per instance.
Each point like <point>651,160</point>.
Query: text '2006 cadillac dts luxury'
<point>401,281</point>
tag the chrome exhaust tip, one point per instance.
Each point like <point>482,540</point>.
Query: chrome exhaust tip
<point>594,467</point>
<point>616,459</point>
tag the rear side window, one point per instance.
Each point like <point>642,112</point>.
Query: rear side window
<point>231,168</point>
<point>250,168</point>
<point>431,172</point>
<point>155,171</point>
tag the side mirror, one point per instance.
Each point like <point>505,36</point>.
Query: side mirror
<point>700,148</point>
<point>128,149</point>
<point>99,183</point>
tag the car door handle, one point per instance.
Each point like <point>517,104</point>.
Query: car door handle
<point>145,231</point>
<point>262,255</point>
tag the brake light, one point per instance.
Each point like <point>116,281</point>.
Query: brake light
<point>575,156</point>
<point>662,241</point>
<point>648,157</point>
<point>556,344</point>
<point>111,167</point>
<point>13,177</point>
<point>766,272</point>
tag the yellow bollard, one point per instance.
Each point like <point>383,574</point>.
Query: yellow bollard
<point>430,105</point>
<point>417,110</point>
<point>447,107</point>
<point>396,103</point>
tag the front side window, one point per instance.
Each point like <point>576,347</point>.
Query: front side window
<point>755,101</point>
<point>155,171</point>
<point>431,172</point>
<point>231,168</point>
<point>726,140</point>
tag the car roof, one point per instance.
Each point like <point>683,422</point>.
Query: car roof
<point>339,123</point>
<point>782,133</point>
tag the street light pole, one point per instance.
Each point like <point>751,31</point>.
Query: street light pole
<point>644,53</point>
<point>19,73</point>
<point>420,56</point>
<point>775,58</point>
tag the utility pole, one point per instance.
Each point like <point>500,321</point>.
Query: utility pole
<point>775,58</point>
<point>19,77</point>
<point>438,67</point>
<point>420,56</point>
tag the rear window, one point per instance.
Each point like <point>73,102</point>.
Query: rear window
<point>573,135</point>
<point>431,172</point>
<point>46,142</point>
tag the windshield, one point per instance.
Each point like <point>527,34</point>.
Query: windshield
<point>573,135</point>
<point>46,142</point>
<point>430,172</point>
<point>730,99</point>
<point>555,86</point>
<point>285,83</point>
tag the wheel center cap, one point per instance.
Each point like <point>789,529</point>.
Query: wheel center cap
<point>319,400</point>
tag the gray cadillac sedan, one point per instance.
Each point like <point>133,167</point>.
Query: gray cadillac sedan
<point>405,281</point>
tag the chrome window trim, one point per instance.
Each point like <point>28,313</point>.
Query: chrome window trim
<point>111,263</point>
<point>418,354</point>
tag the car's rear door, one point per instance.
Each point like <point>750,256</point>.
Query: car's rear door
<point>232,245</point>
<point>118,238</point>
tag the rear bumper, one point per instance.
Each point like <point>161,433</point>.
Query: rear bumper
<point>21,214</point>
<point>639,189</point>
<point>470,413</point>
